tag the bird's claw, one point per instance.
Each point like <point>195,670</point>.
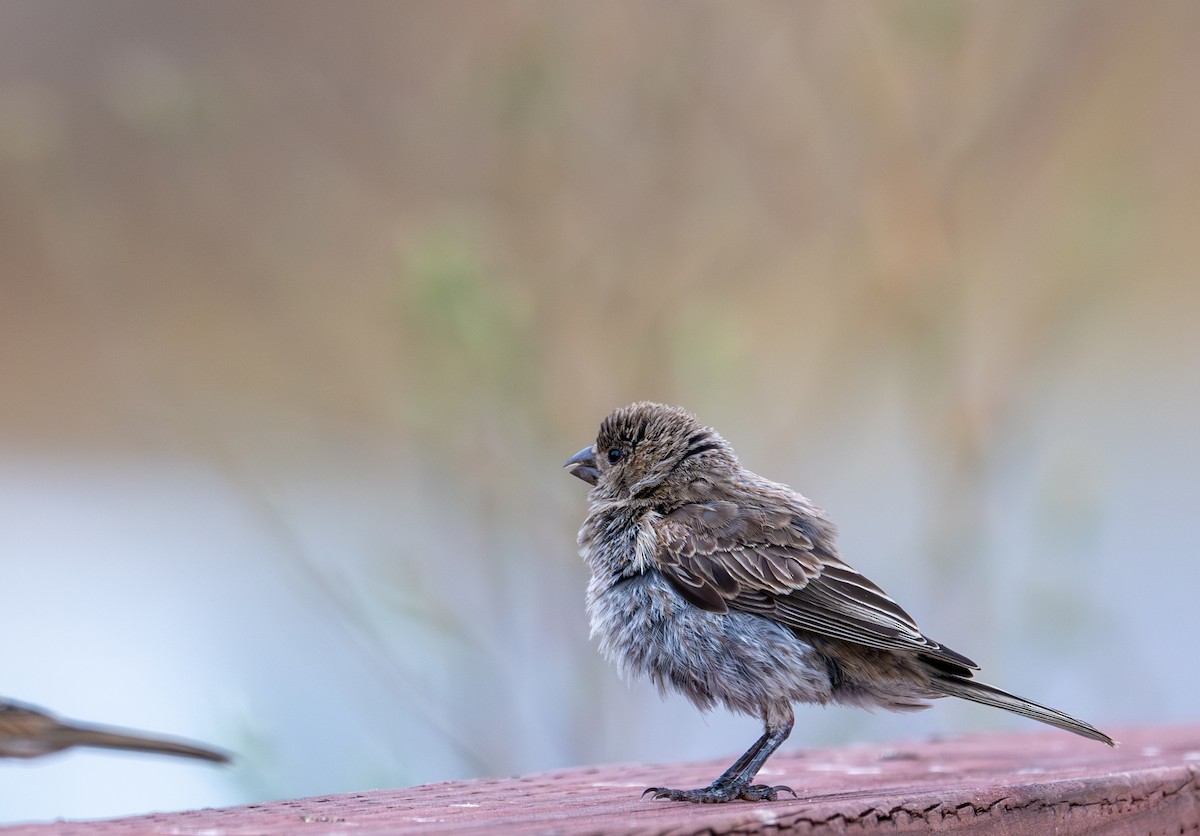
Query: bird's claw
<point>720,793</point>
<point>762,792</point>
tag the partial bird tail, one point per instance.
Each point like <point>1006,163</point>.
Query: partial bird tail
<point>100,738</point>
<point>969,689</point>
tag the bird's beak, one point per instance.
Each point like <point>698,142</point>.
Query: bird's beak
<point>583,465</point>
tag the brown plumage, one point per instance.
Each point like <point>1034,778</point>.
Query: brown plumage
<point>27,732</point>
<point>724,586</point>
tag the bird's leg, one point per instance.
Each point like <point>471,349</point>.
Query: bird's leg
<point>734,782</point>
<point>774,737</point>
<point>735,771</point>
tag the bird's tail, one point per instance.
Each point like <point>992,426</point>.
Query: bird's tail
<point>71,735</point>
<point>969,689</point>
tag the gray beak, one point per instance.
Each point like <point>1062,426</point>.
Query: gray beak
<point>583,465</point>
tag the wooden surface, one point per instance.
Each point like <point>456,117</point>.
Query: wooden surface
<point>1039,783</point>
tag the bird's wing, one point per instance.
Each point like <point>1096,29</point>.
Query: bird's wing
<point>723,555</point>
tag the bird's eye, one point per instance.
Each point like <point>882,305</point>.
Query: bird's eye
<point>615,455</point>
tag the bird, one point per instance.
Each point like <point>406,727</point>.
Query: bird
<point>716,583</point>
<point>29,732</point>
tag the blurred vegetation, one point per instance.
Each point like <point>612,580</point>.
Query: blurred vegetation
<point>335,289</point>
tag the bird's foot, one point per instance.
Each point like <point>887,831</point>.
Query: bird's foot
<point>719,793</point>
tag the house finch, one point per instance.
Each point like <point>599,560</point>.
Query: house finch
<point>26,732</point>
<point>724,586</point>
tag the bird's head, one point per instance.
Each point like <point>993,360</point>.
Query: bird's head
<point>647,450</point>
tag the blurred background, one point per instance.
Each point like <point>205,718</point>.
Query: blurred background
<point>303,306</point>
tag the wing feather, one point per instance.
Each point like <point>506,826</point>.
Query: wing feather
<point>771,562</point>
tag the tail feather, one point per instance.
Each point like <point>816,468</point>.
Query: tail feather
<point>100,738</point>
<point>969,689</point>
